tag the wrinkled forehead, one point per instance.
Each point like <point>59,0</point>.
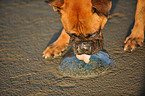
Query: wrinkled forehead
<point>78,18</point>
<point>77,5</point>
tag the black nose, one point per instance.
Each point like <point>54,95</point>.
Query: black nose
<point>84,48</point>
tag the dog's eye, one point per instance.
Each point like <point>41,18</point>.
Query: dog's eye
<point>95,34</point>
<point>92,35</point>
<point>89,35</point>
<point>93,10</point>
<point>74,35</point>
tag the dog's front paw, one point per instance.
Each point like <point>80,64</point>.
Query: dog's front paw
<point>58,47</point>
<point>54,50</point>
<point>132,42</point>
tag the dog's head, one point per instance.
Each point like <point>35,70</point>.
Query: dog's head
<point>83,20</point>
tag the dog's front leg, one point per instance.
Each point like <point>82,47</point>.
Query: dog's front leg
<point>58,46</point>
<point>136,37</point>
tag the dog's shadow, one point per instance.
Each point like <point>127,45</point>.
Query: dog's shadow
<point>114,3</point>
<point>130,28</point>
<point>54,37</point>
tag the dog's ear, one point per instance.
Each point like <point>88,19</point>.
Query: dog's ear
<point>55,3</point>
<point>102,6</point>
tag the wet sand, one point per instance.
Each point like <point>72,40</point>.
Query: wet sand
<point>28,26</point>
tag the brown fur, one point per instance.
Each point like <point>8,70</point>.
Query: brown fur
<point>78,18</point>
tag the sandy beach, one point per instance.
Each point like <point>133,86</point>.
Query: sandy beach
<point>28,26</point>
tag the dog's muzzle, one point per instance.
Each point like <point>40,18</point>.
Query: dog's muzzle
<point>87,47</point>
<point>84,47</point>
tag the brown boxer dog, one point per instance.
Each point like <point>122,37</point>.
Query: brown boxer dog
<point>83,21</point>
